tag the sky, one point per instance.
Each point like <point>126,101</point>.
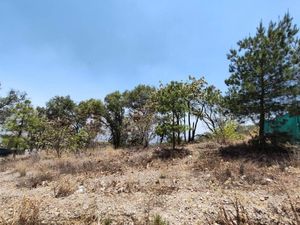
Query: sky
<point>89,48</point>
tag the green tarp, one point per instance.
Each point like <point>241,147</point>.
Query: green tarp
<point>287,124</point>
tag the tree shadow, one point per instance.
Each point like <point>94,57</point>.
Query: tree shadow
<point>271,155</point>
<point>167,153</point>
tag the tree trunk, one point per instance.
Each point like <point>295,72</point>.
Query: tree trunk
<point>194,129</point>
<point>173,132</point>
<point>178,130</point>
<point>262,139</point>
<point>184,123</point>
<point>189,121</point>
<point>58,152</point>
<point>161,138</point>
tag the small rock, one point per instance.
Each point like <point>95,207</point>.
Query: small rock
<point>81,190</point>
<point>268,180</point>
<point>264,198</point>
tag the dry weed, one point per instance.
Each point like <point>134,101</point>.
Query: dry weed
<point>21,169</point>
<point>27,213</point>
<point>40,178</point>
<point>237,214</point>
<point>64,188</point>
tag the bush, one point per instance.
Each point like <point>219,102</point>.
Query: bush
<point>64,188</point>
<point>239,216</point>
<point>227,132</point>
<point>36,180</point>
<point>28,212</point>
<point>107,221</point>
<point>158,220</point>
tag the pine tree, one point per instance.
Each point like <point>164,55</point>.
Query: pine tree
<point>264,70</point>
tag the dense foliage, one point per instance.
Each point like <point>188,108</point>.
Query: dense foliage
<point>264,79</point>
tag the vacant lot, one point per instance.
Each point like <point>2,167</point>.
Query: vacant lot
<point>198,184</point>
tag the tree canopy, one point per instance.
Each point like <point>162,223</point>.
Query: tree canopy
<point>264,71</point>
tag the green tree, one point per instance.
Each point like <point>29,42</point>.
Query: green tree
<point>263,79</point>
<point>8,102</point>
<point>114,116</point>
<point>194,91</point>
<point>171,105</point>
<point>23,128</point>
<point>79,140</point>
<point>61,116</point>
<point>89,121</point>
<point>213,109</point>
<point>141,115</point>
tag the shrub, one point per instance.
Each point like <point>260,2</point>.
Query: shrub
<point>107,221</point>
<point>227,132</point>
<point>28,212</point>
<point>64,188</point>
<point>36,179</point>
<point>239,216</point>
<point>158,220</point>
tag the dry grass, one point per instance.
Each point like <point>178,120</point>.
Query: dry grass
<point>272,155</point>
<point>27,213</point>
<point>232,169</point>
<point>3,164</point>
<point>138,173</point>
<point>64,188</point>
<point>237,214</point>
<point>41,178</point>
<point>84,165</point>
<point>21,169</point>
<point>169,154</point>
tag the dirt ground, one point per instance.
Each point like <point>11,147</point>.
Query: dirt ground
<point>106,186</point>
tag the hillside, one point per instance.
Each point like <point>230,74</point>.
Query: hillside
<point>188,186</point>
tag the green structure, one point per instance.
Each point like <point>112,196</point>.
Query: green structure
<point>286,125</point>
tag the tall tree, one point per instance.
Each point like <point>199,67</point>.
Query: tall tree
<point>61,115</point>
<point>263,78</point>
<point>114,116</point>
<point>141,114</point>
<point>23,128</point>
<point>89,122</point>
<point>194,90</point>
<point>171,105</point>
<point>9,101</point>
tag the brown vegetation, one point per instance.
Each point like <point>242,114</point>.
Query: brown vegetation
<point>132,186</point>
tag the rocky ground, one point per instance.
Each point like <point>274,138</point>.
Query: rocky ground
<point>189,186</point>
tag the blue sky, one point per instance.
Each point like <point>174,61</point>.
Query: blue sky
<point>90,48</point>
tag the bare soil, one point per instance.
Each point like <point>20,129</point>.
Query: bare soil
<point>188,186</point>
